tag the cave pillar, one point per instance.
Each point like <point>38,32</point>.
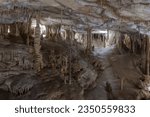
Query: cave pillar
<point>38,65</point>
<point>69,38</point>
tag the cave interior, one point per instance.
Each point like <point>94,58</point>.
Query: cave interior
<point>74,49</point>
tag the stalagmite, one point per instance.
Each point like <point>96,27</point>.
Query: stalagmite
<point>70,56</point>
<point>147,57</point>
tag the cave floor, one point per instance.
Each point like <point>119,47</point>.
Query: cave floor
<point>117,68</point>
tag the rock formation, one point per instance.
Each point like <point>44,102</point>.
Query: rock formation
<point>74,49</point>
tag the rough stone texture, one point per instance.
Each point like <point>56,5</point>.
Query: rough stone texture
<point>56,64</point>
<point>100,14</point>
<point>37,47</point>
<point>18,79</point>
<point>14,59</point>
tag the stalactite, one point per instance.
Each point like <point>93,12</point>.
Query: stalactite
<point>47,32</point>
<point>0,32</point>
<point>101,2</point>
<point>58,31</point>
<point>144,54</point>
<point>107,37</point>
<point>89,41</point>
<point>5,30</point>
<point>55,33</point>
<point>61,18</point>
<point>133,42</point>
<point>13,29</point>
<point>0,29</point>
<point>28,32</point>
<point>17,30</point>
<point>51,32</point>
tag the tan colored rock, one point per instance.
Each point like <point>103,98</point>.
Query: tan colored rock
<point>38,65</point>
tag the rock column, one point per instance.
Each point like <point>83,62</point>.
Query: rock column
<point>37,46</point>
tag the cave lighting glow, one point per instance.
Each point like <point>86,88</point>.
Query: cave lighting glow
<point>42,27</point>
<point>100,32</point>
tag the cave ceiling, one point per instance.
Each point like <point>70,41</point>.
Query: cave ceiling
<point>119,15</point>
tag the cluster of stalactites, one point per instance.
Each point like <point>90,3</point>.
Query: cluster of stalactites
<point>15,59</point>
<point>53,32</point>
<point>3,30</point>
